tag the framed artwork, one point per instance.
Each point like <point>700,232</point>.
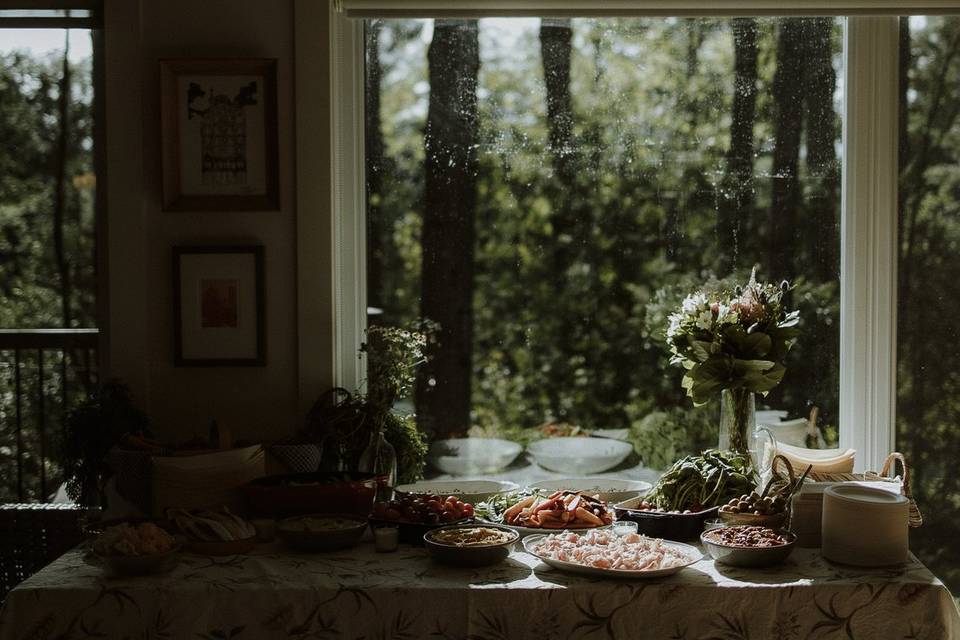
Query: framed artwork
<point>219,135</point>
<point>218,306</point>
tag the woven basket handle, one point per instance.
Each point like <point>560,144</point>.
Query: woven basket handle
<point>889,469</point>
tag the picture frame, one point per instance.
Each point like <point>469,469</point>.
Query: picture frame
<point>218,306</point>
<point>219,135</point>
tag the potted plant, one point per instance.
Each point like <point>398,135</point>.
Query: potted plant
<point>350,423</point>
<point>93,428</point>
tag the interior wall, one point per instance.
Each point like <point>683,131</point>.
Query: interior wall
<point>253,402</point>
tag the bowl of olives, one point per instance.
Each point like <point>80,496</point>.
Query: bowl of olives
<point>755,509</point>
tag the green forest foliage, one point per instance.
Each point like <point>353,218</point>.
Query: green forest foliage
<point>47,255</point>
<point>651,103</point>
<point>693,149</point>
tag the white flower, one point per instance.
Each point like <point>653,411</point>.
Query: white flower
<point>693,302</point>
<point>674,328</point>
<point>705,319</point>
<point>726,315</point>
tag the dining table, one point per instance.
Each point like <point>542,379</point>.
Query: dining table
<point>274,592</point>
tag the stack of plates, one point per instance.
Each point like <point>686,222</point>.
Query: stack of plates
<point>864,526</point>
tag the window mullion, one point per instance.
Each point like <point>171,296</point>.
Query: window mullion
<point>868,265</point>
<point>349,201</point>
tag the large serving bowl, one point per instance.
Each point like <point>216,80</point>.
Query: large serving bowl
<point>579,455</point>
<point>470,556</point>
<point>657,524</point>
<point>610,490</point>
<point>321,531</point>
<point>472,491</point>
<point>749,557</point>
<point>319,492</point>
<point>472,456</point>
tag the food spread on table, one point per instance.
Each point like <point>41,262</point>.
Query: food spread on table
<point>559,510</point>
<point>755,504</point>
<point>746,536</point>
<point>423,509</point>
<point>471,536</point>
<point>209,525</point>
<point>133,540</point>
<point>699,482</point>
<point>607,550</point>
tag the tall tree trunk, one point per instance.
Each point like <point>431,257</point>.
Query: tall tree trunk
<point>443,393</point>
<point>819,81</point>
<point>373,136</point>
<point>556,49</point>
<point>60,186</point>
<point>556,38</point>
<point>738,204</point>
<point>785,198</point>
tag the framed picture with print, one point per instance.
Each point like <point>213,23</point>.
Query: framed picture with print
<point>218,306</point>
<point>219,135</point>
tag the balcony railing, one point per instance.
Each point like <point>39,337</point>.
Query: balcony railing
<point>43,374</point>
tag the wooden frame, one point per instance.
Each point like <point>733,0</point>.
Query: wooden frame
<point>186,195</point>
<point>215,336</point>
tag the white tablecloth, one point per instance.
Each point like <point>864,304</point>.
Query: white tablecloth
<point>362,594</point>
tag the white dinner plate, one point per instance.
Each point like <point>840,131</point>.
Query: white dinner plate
<point>693,556</point>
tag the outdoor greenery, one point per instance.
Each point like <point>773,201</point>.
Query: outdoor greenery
<point>47,254</point>
<point>550,191</point>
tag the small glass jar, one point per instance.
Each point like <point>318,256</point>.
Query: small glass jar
<point>624,527</point>
<point>386,539</point>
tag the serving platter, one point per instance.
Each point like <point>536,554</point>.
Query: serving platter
<point>472,491</point>
<point>610,490</point>
<point>529,531</point>
<point>692,553</point>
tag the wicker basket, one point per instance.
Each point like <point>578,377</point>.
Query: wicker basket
<point>887,474</point>
<point>32,536</point>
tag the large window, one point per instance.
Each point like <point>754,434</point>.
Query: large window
<point>547,190</point>
<point>48,239</point>
<point>928,412</point>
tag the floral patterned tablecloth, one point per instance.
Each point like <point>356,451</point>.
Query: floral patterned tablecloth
<point>273,593</point>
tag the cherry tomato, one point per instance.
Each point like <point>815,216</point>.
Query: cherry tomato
<point>468,510</point>
<point>452,499</point>
<point>436,506</point>
<point>447,516</point>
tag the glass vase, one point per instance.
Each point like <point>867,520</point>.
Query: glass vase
<point>737,420</point>
<point>380,459</point>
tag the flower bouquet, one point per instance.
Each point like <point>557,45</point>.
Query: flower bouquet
<point>734,342</point>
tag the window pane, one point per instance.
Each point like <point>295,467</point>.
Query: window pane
<point>47,247</point>
<point>928,382</point>
<point>548,190</point>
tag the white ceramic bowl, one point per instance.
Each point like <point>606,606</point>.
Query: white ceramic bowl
<point>610,490</point>
<point>579,456</point>
<point>472,491</point>
<point>469,456</point>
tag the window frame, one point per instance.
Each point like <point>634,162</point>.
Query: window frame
<point>333,287</point>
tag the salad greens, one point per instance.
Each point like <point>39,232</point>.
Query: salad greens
<point>700,482</point>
